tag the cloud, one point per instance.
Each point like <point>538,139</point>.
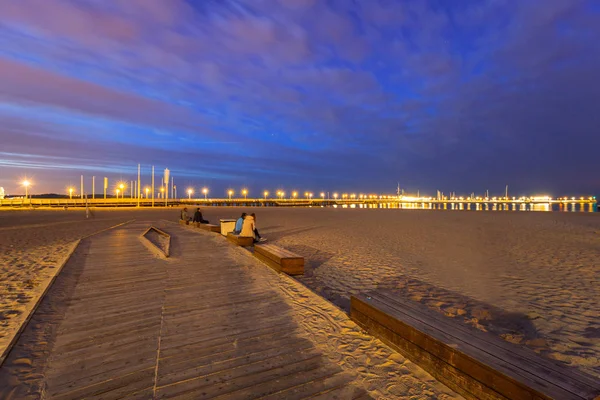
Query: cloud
<point>436,92</point>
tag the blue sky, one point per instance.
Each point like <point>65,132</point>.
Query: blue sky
<point>303,94</point>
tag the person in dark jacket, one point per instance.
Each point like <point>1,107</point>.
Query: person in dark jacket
<point>198,217</point>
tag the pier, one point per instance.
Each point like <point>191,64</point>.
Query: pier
<point>587,203</point>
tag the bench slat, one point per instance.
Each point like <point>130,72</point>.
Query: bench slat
<point>275,252</point>
<point>566,378</point>
<point>244,241</point>
<point>448,355</point>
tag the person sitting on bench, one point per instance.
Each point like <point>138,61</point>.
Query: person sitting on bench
<point>184,215</point>
<point>257,236</point>
<point>238,224</point>
<point>198,217</point>
<point>249,228</point>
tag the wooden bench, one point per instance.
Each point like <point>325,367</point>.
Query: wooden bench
<point>183,222</point>
<point>208,227</point>
<point>244,241</point>
<point>473,363</point>
<point>279,259</point>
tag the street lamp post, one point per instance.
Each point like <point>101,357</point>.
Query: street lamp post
<point>266,194</point>
<point>121,186</point>
<point>245,193</point>
<point>26,183</point>
<point>71,193</point>
<point>118,193</point>
<point>294,194</point>
<point>190,191</point>
<point>147,190</point>
<point>230,193</point>
<point>205,191</point>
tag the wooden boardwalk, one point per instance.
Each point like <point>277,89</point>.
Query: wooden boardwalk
<point>122,323</point>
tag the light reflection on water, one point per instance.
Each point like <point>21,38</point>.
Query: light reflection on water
<point>555,207</point>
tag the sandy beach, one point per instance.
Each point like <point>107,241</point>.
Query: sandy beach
<point>530,278</point>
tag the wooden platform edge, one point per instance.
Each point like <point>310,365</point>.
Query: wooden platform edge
<point>166,252</point>
<point>19,331</point>
<point>17,334</point>
<point>451,376</point>
<point>268,261</point>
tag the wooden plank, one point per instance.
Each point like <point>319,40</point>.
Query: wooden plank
<point>470,371</point>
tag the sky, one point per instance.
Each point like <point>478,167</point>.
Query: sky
<point>334,95</point>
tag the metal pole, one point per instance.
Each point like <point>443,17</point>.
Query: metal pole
<point>93,187</point>
<point>153,186</point>
<point>82,186</point>
<point>105,186</point>
<point>138,186</point>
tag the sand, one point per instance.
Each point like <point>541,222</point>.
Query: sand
<point>530,278</point>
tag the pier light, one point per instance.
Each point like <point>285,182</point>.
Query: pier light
<point>310,195</point>
<point>335,195</point>
<point>306,194</point>
<point>118,191</point>
<point>230,193</point>
<point>147,190</point>
<point>205,192</point>
<point>266,193</point>
<point>353,196</point>
<point>121,190</point>
<point>294,194</point>
<point>71,190</point>
<point>245,193</point>
<point>190,192</point>
<point>322,195</point>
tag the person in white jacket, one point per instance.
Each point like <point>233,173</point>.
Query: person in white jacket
<point>249,228</point>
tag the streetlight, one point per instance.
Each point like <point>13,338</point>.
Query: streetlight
<point>190,191</point>
<point>323,195</point>
<point>230,193</point>
<point>71,193</point>
<point>162,191</point>
<point>266,194</point>
<point>121,186</point>
<point>244,192</point>
<point>26,183</point>
<point>205,191</point>
<point>294,194</point>
<point>118,193</point>
<point>306,194</point>
<point>147,191</point>
<point>335,195</point>
<point>310,195</point>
